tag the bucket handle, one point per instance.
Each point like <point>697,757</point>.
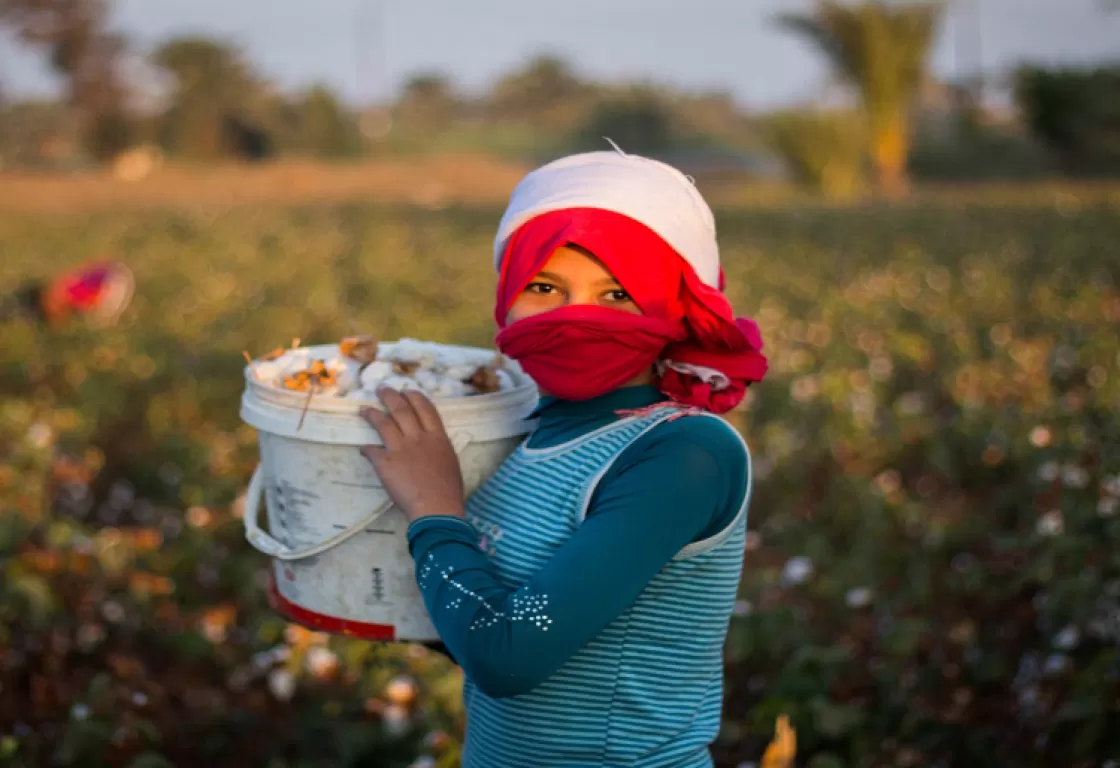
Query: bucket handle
<point>267,545</point>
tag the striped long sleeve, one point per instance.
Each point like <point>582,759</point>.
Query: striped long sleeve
<point>674,485</point>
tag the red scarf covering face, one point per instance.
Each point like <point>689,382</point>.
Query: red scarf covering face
<point>582,351</point>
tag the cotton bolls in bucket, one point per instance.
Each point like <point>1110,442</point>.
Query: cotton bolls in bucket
<point>340,560</point>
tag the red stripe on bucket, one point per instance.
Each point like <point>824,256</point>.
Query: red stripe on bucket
<point>324,623</point>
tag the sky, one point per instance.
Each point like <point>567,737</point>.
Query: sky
<point>367,49</point>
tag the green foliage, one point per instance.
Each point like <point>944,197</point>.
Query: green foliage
<point>1075,113</point>
<point>201,66</point>
<point>968,149</point>
<point>428,101</point>
<point>316,123</point>
<point>210,82</point>
<point>936,440</point>
<point>79,47</point>
<point>87,55</point>
<point>639,121</point>
<point>110,133</point>
<point>824,150</point>
<point>944,459</point>
<point>25,129</point>
<point>544,91</point>
<point>878,46</point>
<point>213,84</point>
<point>880,49</point>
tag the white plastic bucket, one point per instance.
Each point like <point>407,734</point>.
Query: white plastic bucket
<point>340,557</point>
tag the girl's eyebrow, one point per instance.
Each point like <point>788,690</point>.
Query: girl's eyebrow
<point>549,276</point>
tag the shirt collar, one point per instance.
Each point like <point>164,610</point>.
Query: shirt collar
<point>551,409</point>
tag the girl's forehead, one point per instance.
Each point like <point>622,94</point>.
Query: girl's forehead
<point>575,258</point>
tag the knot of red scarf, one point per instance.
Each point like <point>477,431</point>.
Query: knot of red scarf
<point>704,355</point>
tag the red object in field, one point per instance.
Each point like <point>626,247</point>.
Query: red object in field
<point>98,289</point>
<point>83,289</point>
<point>320,622</point>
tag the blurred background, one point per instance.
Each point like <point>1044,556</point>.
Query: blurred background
<point>918,202</point>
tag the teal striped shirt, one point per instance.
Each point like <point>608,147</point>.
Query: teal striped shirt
<point>567,663</point>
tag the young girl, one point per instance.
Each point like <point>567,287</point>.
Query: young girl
<point>587,587</point>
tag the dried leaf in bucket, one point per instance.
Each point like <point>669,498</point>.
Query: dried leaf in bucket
<point>299,381</point>
<point>318,374</point>
<point>485,379</point>
<point>405,369</point>
<point>252,365</point>
<point>324,376</point>
<point>363,349</point>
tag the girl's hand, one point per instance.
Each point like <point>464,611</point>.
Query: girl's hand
<point>417,465</point>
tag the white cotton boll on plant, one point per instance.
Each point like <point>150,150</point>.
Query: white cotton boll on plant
<point>1111,485</point>
<point>858,597</point>
<point>395,720</point>
<point>282,684</point>
<point>1051,524</point>
<point>401,690</point>
<point>797,570</point>
<point>1055,665</point>
<point>321,662</point>
<point>742,608</point>
<point>1068,638</point>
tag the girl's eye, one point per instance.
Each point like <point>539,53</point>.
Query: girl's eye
<point>619,296</point>
<point>542,288</point>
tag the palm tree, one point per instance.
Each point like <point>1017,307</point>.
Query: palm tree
<point>823,149</point>
<point>881,50</point>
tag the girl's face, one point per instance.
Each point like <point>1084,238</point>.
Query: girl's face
<point>571,276</point>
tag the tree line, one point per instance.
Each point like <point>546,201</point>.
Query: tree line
<point>215,105</point>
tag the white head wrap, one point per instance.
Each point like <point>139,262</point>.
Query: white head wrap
<point>648,191</point>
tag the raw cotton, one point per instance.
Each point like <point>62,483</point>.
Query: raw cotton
<point>358,366</point>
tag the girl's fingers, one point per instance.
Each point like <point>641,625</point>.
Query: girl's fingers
<point>425,411</point>
<point>400,409</point>
<point>385,426</point>
<point>373,453</point>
